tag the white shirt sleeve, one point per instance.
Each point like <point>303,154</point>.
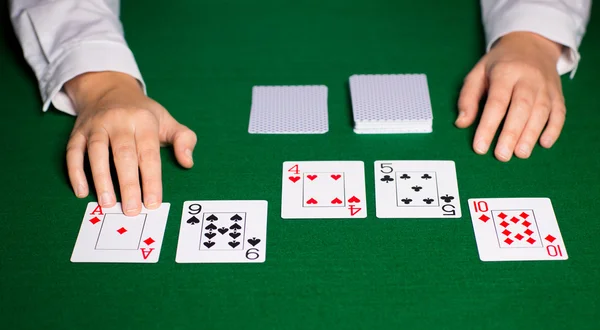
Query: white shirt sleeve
<point>562,21</point>
<point>65,38</point>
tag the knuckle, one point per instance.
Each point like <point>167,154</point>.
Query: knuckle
<point>496,104</point>
<point>130,186</point>
<point>511,134</point>
<point>524,101</point>
<point>150,182</point>
<point>124,151</point>
<point>148,155</point>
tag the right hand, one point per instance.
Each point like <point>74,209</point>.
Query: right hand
<point>114,112</point>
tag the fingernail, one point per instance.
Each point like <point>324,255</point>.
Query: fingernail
<point>131,206</point>
<point>188,153</point>
<point>105,199</point>
<point>525,150</point>
<point>503,153</point>
<point>80,191</point>
<point>481,147</point>
<point>151,201</point>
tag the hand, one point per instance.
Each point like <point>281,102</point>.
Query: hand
<point>519,74</point>
<point>114,112</point>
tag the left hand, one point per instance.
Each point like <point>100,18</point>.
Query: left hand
<point>520,76</point>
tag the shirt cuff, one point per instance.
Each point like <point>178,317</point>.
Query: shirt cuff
<point>85,57</point>
<point>546,21</point>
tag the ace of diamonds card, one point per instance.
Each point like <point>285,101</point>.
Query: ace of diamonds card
<point>107,235</point>
<point>516,229</point>
<point>323,189</point>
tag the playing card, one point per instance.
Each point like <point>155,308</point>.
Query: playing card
<point>416,189</point>
<point>323,189</point>
<point>516,229</point>
<point>223,232</point>
<point>391,103</point>
<point>288,110</point>
<point>107,235</point>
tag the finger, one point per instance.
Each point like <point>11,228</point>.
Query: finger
<point>533,129</point>
<point>493,113</point>
<point>75,156</point>
<point>555,124</point>
<point>470,95</point>
<point>148,149</point>
<point>126,162</point>
<point>99,162</point>
<point>183,140</point>
<point>521,104</point>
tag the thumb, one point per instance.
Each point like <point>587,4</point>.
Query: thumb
<point>473,88</point>
<point>183,140</point>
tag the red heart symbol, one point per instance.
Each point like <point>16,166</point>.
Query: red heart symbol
<point>336,176</point>
<point>311,176</point>
<point>311,201</point>
<point>336,201</point>
<point>294,179</point>
<point>353,199</point>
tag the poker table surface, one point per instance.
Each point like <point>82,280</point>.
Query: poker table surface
<point>200,60</point>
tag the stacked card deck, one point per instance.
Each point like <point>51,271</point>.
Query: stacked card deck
<point>391,103</point>
<point>289,110</point>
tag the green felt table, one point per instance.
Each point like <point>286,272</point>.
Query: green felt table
<point>200,59</point>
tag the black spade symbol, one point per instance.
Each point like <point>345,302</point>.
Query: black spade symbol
<point>223,230</point>
<point>212,218</point>
<point>211,227</point>
<point>233,244</point>
<point>235,226</point>
<point>193,220</point>
<point>209,244</point>
<point>236,218</point>
<point>210,235</point>
<point>234,235</point>
<point>254,241</point>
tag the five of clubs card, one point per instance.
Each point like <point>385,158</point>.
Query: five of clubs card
<point>107,235</point>
<point>223,231</point>
<point>323,189</point>
<point>416,189</point>
<point>516,229</point>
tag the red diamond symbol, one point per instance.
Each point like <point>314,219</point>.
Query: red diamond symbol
<point>502,215</point>
<point>519,236</point>
<point>484,218</point>
<point>504,224</point>
<point>524,215</point>
<point>529,232</point>
<point>95,220</point>
<point>506,232</point>
<point>121,230</point>
<point>530,240</point>
<point>550,238</point>
<point>515,220</point>
<point>526,223</point>
<point>149,241</point>
<point>508,241</point>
